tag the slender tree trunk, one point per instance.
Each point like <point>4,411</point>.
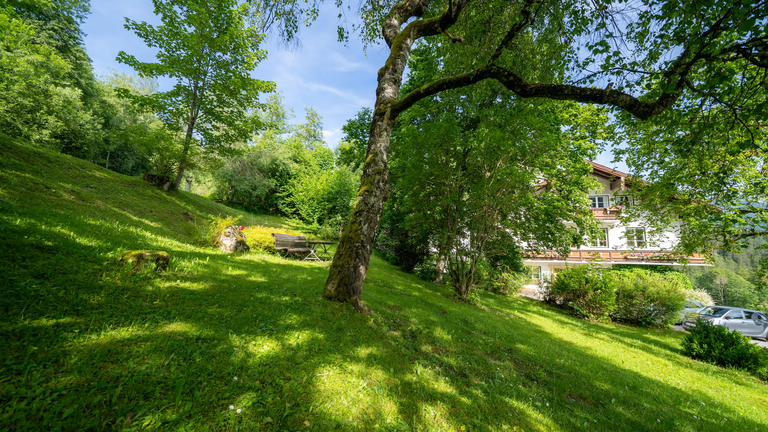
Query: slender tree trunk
<point>440,267</point>
<point>182,162</point>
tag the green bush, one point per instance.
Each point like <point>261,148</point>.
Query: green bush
<point>586,289</point>
<point>507,282</point>
<point>647,298</point>
<point>260,237</point>
<point>717,345</point>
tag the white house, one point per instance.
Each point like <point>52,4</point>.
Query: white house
<point>619,244</point>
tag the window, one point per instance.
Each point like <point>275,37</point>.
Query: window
<point>535,273</point>
<point>747,315</point>
<point>599,201</point>
<point>736,314</point>
<point>636,237</point>
<point>601,240</point>
<point>714,311</point>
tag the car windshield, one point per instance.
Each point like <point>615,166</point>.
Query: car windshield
<point>714,311</point>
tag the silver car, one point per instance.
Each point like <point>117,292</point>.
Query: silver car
<point>747,322</point>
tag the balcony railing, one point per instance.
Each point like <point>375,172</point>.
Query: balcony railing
<point>618,256</point>
<point>607,213</point>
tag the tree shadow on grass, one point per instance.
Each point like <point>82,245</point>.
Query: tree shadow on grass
<point>124,351</point>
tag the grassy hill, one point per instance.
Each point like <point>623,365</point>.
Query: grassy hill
<point>91,346</point>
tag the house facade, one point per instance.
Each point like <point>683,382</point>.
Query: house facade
<point>619,243</point>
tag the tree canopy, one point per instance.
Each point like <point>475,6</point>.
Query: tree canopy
<point>647,57</point>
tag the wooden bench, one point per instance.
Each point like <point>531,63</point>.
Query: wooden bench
<point>294,245</point>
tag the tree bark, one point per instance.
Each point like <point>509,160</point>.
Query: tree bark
<point>440,267</point>
<point>182,161</point>
<point>350,263</point>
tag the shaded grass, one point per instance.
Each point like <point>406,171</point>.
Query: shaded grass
<point>92,346</point>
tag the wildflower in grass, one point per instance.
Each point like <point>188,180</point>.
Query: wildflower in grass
<point>238,410</point>
<point>231,407</point>
<point>235,378</point>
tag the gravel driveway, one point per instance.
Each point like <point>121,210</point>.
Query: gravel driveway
<point>759,342</point>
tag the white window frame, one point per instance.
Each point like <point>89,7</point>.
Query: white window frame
<point>595,198</point>
<point>634,243</point>
<point>535,270</point>
<point>596,241</point>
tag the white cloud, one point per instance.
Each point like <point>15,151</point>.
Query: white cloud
<point>332,137</point>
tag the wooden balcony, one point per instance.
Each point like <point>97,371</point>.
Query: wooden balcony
<point>606,213</point>
<point>618,257</point>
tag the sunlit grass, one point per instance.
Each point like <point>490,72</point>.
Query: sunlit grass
<point>91,345</point>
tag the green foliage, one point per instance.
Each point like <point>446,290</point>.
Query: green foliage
<point>588,290</point>
<point>259,238</point>
<point>507,282</point>
<point>717,345</point>
<point>465,165</point>
<point>728,288</point>
<point>354,142</point>
<point>210,52</point>
<point>397,244</point>
<point>648,298</point>
<point>251,180</point>
<point>37,103</point>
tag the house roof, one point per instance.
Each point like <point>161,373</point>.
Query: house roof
<point>603,172</point>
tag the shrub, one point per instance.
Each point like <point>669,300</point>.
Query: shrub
<point>507,282</point>
<point>717,345</point>
<point>699,295</point>
<point>586,289</point>
<point>648,298</point>
<point>260,238</point>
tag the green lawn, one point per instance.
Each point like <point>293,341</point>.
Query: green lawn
<point>91,346</point>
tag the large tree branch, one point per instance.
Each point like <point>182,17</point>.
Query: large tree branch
<point>400,14</point>
<point>515,83</point>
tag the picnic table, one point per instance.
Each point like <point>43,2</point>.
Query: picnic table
<point>324,243</point>
<point>299,245</point>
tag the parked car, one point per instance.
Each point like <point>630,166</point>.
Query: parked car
<point>691,307</point>
<point>747,322</point>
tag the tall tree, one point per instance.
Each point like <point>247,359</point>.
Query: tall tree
<point>208,49</point>
<point>645,55</point>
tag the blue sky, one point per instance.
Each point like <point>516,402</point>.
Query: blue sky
<point>334,79</point>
